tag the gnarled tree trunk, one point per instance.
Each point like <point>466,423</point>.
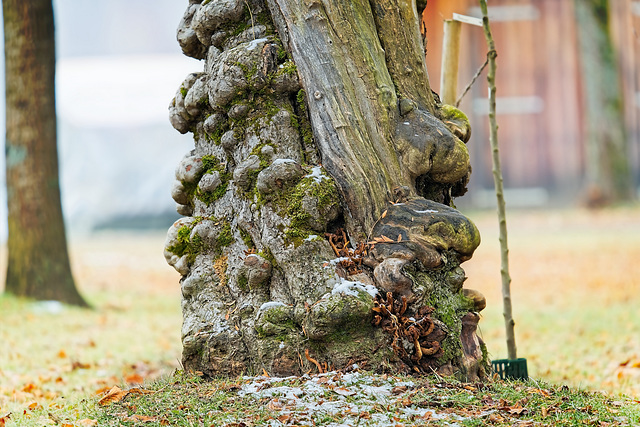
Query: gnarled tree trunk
<point>319,225</point>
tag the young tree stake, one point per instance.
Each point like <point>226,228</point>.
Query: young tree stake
<point>497,179</point>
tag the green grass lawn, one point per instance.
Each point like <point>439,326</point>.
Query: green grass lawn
<point>575,289</point>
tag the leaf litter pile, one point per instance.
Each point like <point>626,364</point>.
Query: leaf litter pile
<point>359,399</point>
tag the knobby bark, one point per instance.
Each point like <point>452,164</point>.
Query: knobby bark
<point>318,197</point>
<point>607,170</point>
<point>38,264</point>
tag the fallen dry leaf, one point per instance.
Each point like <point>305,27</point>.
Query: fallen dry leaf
<point>274,405</point>
<point>399,389</point>
<point>29,388</point>
<point>102,390</point>
<point>116,394</point>
<point>284,418</point>
<point>143,418</point>
<point>79,365</point>
<point>134,379</point>
<point>87,422</point>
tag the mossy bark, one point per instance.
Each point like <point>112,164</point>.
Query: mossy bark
<point>357,62</point>
<point>38,262</point>
<point>350,138</point>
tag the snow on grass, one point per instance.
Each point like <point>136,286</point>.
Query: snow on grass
<point>353,397</point>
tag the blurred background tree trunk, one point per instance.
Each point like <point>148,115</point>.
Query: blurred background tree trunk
<point>38,264</point>
<point>607,170</point>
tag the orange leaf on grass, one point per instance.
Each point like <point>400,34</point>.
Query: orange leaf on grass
<point>143,418</point>
<point>134,379</point>
<point>284,418</point>
<point>399,389</point>
<point>29,388</point>
<point>116,394</point>
<point>102,390</point>
<point>87,422</point>
<point>79,365</point>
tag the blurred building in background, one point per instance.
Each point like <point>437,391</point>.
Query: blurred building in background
<point>539,100</point>
<point>118,67</point>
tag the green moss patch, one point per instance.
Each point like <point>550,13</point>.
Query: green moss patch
<point>289,205</point>
<point>192,246</point>
<point>212,164</point>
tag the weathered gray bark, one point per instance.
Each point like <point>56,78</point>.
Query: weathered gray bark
<point>329,124</point>
<point>38,262</point>
<point>607,170</point>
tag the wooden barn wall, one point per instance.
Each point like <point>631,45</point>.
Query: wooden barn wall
<point>538,88</point>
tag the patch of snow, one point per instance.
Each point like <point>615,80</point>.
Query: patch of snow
<point>254,43</point>
<point>311,237</point>
<point>282,161</point>
<point>47,307</point>
<point>426,211</point>
<point>317,174</point>
<point>348,287</point>
<point>339,394</point>
<point>271,304</point>
<point>336,261</point>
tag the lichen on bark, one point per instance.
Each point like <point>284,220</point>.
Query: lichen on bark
<point>318,122</point>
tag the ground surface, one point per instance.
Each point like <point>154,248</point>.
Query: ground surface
<point>576,293</point>
<point>576,282</point>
